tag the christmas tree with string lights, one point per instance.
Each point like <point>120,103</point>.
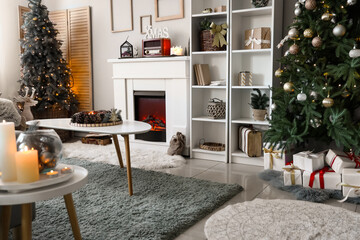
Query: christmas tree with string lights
<point>319,93</point>
<point>42,64</point>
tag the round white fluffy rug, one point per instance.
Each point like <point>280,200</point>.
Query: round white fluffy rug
<point>140,158</point>
<point>282,219</point>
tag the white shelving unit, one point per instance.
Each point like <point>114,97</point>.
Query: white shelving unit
<point>225,65</point>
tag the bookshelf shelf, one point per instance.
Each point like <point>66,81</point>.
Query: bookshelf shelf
<point>227,64</point>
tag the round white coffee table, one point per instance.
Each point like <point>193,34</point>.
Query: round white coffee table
<point>7,199</point>
<point>124,129</point>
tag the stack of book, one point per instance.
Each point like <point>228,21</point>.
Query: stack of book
<point>202,74</point>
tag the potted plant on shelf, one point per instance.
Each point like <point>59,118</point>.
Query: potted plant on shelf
<point>207,38</point>
<point>259,103</point>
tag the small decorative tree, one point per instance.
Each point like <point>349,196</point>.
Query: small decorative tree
<point>42,65</point>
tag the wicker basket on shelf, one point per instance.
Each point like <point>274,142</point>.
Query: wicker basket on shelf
<point>216,108</point>
<point>211,146</point>
<point>206,42</point>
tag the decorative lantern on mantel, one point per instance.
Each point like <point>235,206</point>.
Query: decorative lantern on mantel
<point>126,50</point>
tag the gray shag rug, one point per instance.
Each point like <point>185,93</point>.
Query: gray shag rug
<point>162,207</point>
<point>276,179</point>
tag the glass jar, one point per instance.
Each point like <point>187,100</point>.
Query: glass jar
<point>48,144</point>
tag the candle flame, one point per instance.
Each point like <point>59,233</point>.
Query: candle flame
<point>4,121</point>
<point>52,171</point>
<point>26,149</point>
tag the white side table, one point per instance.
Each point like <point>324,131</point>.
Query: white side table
<point>25,198</point>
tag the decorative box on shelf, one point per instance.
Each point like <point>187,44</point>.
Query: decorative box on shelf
<point>258,38</point>
<point>250,141</point>
<point>221,8</point>
<point>245,78</point>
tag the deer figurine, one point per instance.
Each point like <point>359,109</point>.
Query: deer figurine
<point>28,102</point>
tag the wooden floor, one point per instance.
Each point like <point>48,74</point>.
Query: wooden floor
<point>244,175</point>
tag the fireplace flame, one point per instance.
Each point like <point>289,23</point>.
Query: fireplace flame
<point>156,123</point>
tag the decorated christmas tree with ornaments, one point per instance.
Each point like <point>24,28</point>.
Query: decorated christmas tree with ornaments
<point>42,66</point>
<point>319,93</point>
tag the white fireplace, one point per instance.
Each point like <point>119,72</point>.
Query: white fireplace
<point>163,74</point>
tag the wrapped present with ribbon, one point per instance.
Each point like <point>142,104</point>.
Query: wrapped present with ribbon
<point>339,160</point>
<point>324,178</point>
<point>274,159</point>
<point>292,175</point>
<point>350,183</point>
<point>258,38</point>
<point>309,161</point>
<point>219,32</point>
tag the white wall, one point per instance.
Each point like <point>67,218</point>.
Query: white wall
<point>9,47</point>
<point>105,44</point>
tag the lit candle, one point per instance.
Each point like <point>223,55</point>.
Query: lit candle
<point>52,174</point>
<point>27,166</point>
<point>66,170</point>
<point>7,151</point>
<point>178,51</point>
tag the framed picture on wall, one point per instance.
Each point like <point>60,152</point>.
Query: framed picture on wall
<point>145,21</point>
<point>121,12</point>
<point>168,10</point>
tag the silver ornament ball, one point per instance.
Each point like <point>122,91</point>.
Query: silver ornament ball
<point>302,1</point>
<point>273,106</point>
<point>297,11</point>
<point>354,53</point>
<point>301,97</point>
<point>287,53</point>
<point>351,2</point>
<point>297,5</point>
<point>316,42</point>
<point>293,33</point>
<point>313,94</point>
<point>294,49</point>
<point>315,123</point>
<point>310,4</point>
<point>339,30</point>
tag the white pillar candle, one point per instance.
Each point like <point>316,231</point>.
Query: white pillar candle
<point>7,151</point>
<point>27,166</point>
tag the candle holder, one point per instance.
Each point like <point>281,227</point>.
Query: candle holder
<point>48,144</point>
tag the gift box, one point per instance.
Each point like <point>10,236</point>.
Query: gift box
<point>258,38</point>
<point>324,178</point>
<point>308,161</point>
<point>351,182</point>
<point>221,8</point>
<point>287,155</point>
<point>338,160</point>
<point>292,176</point>
<point>250,141</point>
<point>274,159</point>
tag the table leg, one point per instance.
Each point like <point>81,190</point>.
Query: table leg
<point>117,148</point>
<point>5,222</point>
<point>26,221</point>
<point>72,216</point>
<point>128,163</point>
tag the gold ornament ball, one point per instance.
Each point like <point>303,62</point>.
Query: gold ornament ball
<point>310,4</point>
<point>326,16</point>
<point>278,73</point>
<point>316,42</point>
<point>289,87</point>
<point>35,18</point>
<point>308,33</point>
<point>345,94</point>
<point>294,49</point>
<point>328,102</point>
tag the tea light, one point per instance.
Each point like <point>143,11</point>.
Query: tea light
<point>178,51</point>
<point>66,170</point>
<point>52,174</point>
<point>27,166</point>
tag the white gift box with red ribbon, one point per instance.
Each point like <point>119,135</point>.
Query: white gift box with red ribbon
<point>324,178</point>
<point>309,161</point>
<point>339,160</point>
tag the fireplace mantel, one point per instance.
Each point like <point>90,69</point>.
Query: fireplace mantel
<point>169,74</point>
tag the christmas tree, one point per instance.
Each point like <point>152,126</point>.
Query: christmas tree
<point>319,93</point>
<point>42,64</point>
